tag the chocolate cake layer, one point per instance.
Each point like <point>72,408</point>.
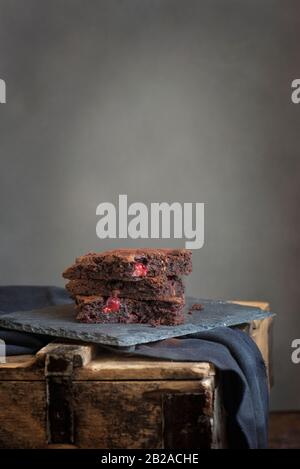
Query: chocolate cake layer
<point>122,264</point>
<point>97,309</point>
<point>148,288</point>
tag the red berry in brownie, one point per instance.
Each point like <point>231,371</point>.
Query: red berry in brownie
<point>112,305</point>
<point>140,270</point>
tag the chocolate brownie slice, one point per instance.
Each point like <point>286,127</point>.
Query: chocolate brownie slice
<point>131,264</point>
<point>98,309</point>
<point>147,288</point>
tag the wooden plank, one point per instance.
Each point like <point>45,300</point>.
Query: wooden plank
<point>21,368</point>
<point>219,423</point>
<point>61,446</point>
<point>261,332</point>
<point>284,430</point>
<point>31,367</point>
<point>17,360</point>
<point>60,410</point>
<point>117,367</point>
<point>107,414</point>
<point>63,404</point>
<point>81,353</point>
<point>187,418</point>
<point>23,406</point>
<point>116,414</point>
<point>129,414</point>
<point>60,360</point>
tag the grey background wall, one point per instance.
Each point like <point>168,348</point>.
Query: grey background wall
<point>163,101</point>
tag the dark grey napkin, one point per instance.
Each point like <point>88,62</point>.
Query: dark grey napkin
<point>24,298</point>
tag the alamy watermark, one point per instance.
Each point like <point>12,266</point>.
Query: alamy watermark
<point>295,356</point>
<point>160,220</point>
<point>295,96</point>
<point>2,91</point>
<point>2,351</point>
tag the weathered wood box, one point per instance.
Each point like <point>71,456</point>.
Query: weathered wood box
<point>76,396</point>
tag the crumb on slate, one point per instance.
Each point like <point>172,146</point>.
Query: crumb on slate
<point>195,307</point>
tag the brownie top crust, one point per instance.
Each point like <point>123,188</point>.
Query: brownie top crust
<point>131,255</point>
<point>131,264</point>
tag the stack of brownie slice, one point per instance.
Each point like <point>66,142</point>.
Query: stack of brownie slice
<point>130,286</point>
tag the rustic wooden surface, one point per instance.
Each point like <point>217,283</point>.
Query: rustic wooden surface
<point>80,353</point>
<point>128,414</point>
<point>21,368</point>
<point>261,333</point>
<point>284,430</point>
<point>74,395</point>
<point>22,414</point>
<point>114,367</point>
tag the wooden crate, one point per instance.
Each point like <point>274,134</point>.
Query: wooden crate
<point>74,395</point>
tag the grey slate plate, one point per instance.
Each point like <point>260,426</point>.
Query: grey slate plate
<point>59,321</point>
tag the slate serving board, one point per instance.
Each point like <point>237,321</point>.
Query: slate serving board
<point>59,321</point>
